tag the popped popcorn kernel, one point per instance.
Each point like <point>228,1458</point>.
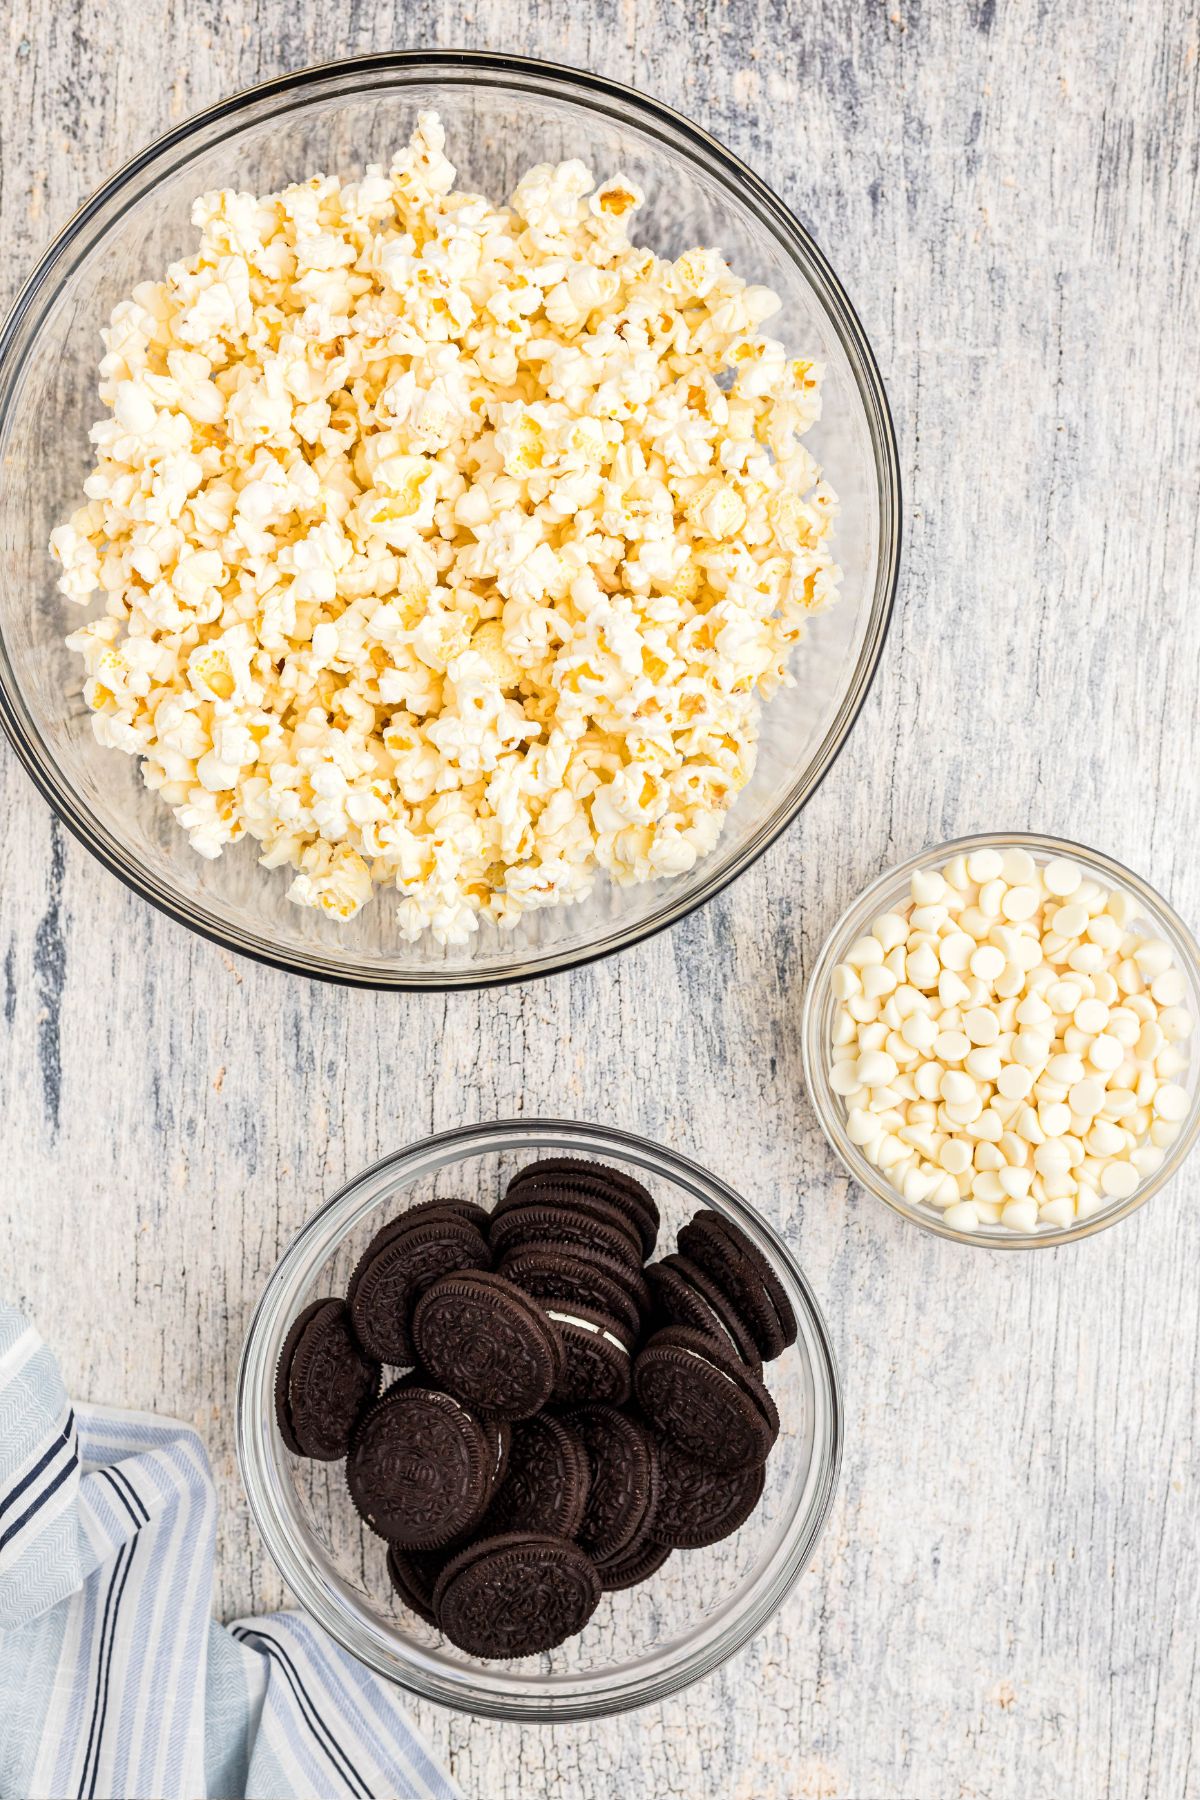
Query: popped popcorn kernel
<point>445,549</point>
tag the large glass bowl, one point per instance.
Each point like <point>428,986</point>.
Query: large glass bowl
<point>891,890</point>
<point>641,1645</point>
<point>501,115</point>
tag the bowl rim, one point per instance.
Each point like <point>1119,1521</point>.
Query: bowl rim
<point>812,1038</point>
<point>255,1427</point>
<point>492,67</point>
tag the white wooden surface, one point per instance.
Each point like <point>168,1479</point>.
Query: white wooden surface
<point>1005,1602</point>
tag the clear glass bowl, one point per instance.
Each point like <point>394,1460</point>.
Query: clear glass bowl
<point>641,1645</point>
<point>501,115</point>
<point>892,889</point>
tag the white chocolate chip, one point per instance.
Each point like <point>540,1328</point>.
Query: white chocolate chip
<point>1153,958</point>
<point>984,865</point>
<point>1119,1180</point>
<point>891,930</point>
<point>1171,1102</point>
<point>1091,1016</point>
<point>1105,1053</point>
<point>1169,988</point>
<point>864,952</point>
<point>927,887</point>
<point>1018,867</point>
<point>1020,903</point>
<point>1061,877</point>
<point>877,981</point>
<point>875,1068</point>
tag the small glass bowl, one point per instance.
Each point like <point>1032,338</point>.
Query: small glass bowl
<point>642,1645</point>
<point>891,889</point>
<point>502,114</point>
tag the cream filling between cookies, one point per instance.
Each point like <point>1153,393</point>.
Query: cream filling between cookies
<point>586,1325</point>
<point>713,1369</point>
<point>724,1330</point>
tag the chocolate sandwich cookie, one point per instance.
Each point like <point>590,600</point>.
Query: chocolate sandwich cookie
<point>478,1216</point>
<point>575,1175</point>
<point>419,1469</point>
<point>540,1223</point>
<point>547,1482</point>
<point>322,1383</point>
<point>497,1431</point>
<point>632,1567</point>
<point>685,1295</point>
<point>413,1573</point>
<point>422,1213</point>
<point>516,1594</point>
<point>615,1571</point>
<point>487,1342</point>
<point>283,1369</point>
<point>742,1272</point>
<point>572,1200</point>
<point>395,1269</point>
<point>701,1505</point>
<point>463,1209</point>
<point>623,1497</point>
<point>597,1359</point>
<point>557,1276</point>
<point>704,1399</point>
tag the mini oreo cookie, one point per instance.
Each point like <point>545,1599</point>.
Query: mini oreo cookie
<point>522,1227</point>
<point>705,1400</point>
<point>413,1574</point>
<point>623,1461</point>
<point>395,1269</point>
<point>547,1482</point>
<point>516,1594</point>
<point>740,1269</point>
<point>575,1175</point>
<point>685,1295</point>
<point>597,1361</point>
<point>702,1505</point>
<point>322,1383</point>
<point>558,1276</point>
<point>487,1342</point>
<point>419,1469</point>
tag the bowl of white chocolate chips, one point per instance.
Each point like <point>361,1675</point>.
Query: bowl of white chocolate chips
<point>997,1040</point>
<point>452,520</point>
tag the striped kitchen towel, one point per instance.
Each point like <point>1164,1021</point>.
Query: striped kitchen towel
<point>114,1680</point>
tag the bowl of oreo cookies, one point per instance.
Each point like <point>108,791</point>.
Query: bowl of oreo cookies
<point>539,1419</point>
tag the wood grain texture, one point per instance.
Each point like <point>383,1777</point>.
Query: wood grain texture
<point>1004,1604</point>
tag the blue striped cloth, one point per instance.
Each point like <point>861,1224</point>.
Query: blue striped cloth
<point>115,1682</point>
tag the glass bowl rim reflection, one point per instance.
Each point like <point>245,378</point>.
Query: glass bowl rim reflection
<point>657,121</point>
<point>874,899</point>
<point>345,1616</point>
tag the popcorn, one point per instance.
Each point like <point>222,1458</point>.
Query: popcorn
<point>445,548</point>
